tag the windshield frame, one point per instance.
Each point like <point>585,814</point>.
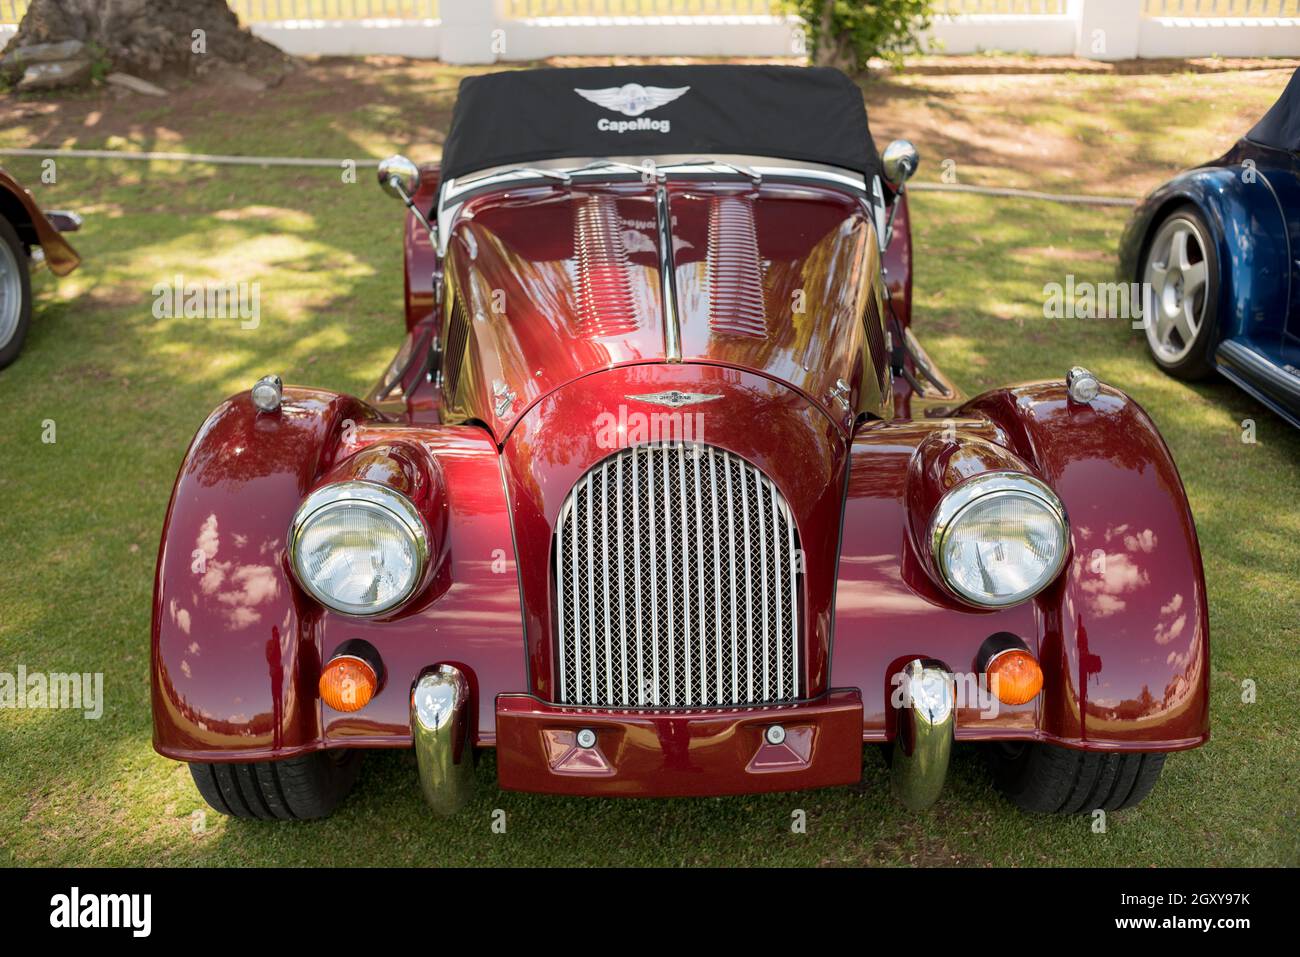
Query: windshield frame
<point>588,170</point>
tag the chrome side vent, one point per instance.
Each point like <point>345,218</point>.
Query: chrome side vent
<point>605,303</point>
<point>676,584</point>
<point>453,353</point>
<point>876,336</point>
<point>735,277</point>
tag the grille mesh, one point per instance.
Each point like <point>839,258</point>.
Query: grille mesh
<point>676,583</point>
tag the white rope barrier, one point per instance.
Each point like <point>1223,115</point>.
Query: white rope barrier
<point>210,158</point>
<point>221,160</point>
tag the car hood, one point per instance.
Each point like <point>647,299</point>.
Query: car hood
<point>551,284</point>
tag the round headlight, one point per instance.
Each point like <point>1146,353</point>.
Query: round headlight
<point>999,538</point>
<point>358,547</point>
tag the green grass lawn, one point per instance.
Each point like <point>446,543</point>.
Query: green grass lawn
<point>80,518</point>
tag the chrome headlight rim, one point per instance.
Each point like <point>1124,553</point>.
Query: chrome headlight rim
<point>979,488</point>
<point>373,495</point>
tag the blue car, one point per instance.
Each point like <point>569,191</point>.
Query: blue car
<point>1217,249</point>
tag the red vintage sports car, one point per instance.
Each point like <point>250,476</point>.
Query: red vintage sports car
<point>661,496</point>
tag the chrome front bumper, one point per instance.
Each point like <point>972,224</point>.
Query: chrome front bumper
<point>444,752</point>
<point>557,749</point>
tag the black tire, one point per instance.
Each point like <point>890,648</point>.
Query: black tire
<point>13,343</point>
<point>1047,779</point>
<point>296,789</point>
<point>1198,363</point>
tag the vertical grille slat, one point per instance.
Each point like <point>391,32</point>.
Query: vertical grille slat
<point>669,537</point>
<point>762,546</point>
<point>796,567</point>
<point>636,555</point>
<point>604,561</point>
<point>622,579</point>
<point>654,588</point>
<point>701,594</point>
<point>780,605</point>
<point>749,595</point>
<point>686,552</point>
<point>576,605</point>
<point>561,642</point>
<point>731,567</point>
<point>719,663</point>
<point>678,586</point>
<point>591,600</point>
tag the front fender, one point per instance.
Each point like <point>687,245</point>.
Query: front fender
<point>1128,626</point>
<point>1122,636</point>
<point>1250,238</point>
<point>18,205</point>
<point>237,647</point>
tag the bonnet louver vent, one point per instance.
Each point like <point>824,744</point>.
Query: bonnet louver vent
<point>736,305</point>
<point>605,303</point>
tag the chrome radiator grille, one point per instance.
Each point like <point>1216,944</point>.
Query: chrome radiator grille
<point>676,580</point>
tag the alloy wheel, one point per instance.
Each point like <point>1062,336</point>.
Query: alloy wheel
<point>1176,277</point>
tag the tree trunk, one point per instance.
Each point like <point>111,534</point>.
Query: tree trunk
<point>153,38</point>
<point>832,47</point>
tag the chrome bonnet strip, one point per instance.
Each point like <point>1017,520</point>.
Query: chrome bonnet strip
<point>667,277</point>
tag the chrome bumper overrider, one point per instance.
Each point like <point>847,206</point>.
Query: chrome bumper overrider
<point>923,743</point>
<point>440,729</point>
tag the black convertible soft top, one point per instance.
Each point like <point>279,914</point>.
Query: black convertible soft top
<point>1280,127</point>
<point>789,112</point>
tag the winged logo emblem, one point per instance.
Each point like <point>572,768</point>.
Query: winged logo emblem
<point>632,99</point>
<point>674,399</point>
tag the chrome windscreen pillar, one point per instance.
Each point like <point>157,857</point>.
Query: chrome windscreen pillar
<point>927,714</point>
<point>440,729</point>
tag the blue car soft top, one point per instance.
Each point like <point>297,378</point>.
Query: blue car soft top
<point>1280,127</point>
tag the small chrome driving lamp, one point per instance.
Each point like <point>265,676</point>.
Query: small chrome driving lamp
<point>268,393</point>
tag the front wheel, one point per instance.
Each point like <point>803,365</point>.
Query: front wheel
<point>1180,273</point>
<point>1048,779</point>
<point>15,294</point>
<point>296,789</point>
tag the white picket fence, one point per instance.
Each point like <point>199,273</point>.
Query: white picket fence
<point>488,31</point>
<point>1119,29</point>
